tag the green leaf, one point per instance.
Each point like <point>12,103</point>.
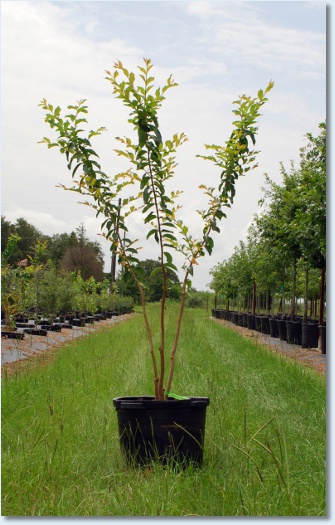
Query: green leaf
<point>146,195</point>
<point>144,181</point>
<point>155,271</point>
<point>142,137</point>
<point>150,217</point>
<point>168,257</point>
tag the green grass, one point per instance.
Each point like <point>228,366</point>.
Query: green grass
<point>265,445</point>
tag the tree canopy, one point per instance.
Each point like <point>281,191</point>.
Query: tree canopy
<point>288,235</point>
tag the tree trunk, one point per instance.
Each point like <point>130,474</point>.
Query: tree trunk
<point>113,262</point>
<point>294,284</point>
<point>253,297</point>
<point>306,296</point>
<point>280,306</point>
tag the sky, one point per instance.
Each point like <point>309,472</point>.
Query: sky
<point>216,51</point>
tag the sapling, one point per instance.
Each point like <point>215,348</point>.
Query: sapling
<point>152,164</point>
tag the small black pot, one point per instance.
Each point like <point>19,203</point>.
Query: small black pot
<point>293,329</point>
<point>258,321</point>
<point>309,335</point>
<point>282,329</point>
<point>251,321</point>
<point>36,331</point>
<point>78,322</point>
<point>239,319</point>
<point>265,325</point>
<point>234,317</point>
<point>221,314</point>
<point>12,335</point>
<point>166,431</point>
<point>273,327</point>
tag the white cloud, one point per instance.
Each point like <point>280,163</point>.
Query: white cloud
<point>44,222</point>
<point>215,51</point>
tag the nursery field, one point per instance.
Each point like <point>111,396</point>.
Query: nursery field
<point>265,444</point>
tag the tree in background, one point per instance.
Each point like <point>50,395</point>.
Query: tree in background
<point>29,235</point>
<point>84,256</point>
<point>288,236</point>
<point>69,251</point>
<point>150,274</point>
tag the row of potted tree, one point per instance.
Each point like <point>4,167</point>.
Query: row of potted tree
<point>37,296</point>
<point>307,334</point>
<point>284,257</point>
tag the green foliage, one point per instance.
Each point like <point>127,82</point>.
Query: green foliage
<point>29,235</point>
<point>120,304</point>
<point>152,164</point>
<point>287,237</point>
<point>11,293</point>
<point>195,301</point>
<point>149,273</point>
<point>72,251</point>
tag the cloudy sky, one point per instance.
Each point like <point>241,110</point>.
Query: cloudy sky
<point>216,51</point>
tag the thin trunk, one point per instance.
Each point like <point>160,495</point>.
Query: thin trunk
<point>294,284</point>
<point>162,256</point>
<point>146,321</point>
<point>113,262</point>
<point>176,337</point>
<point>306,296</point>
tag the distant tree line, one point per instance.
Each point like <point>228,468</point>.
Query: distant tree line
<point>67,251</point>
<point>74,252</point>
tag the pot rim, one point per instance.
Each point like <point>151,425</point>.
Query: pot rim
<point>136,402</point>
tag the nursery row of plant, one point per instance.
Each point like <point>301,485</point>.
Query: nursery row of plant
<point>265,444</point>
<point>39,294</point>
<point>284,257</point>
<point>307,334</point>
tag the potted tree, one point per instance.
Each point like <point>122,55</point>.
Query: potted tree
<point>163,424</point>
<point>11,296</point>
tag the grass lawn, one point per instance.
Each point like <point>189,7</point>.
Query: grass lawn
<point>265,444</point>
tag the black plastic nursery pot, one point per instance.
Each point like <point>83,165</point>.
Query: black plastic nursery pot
<point>265,325</point>
<point>171,431</point>
<point>258,323</point>
<point>251,321</point>
<point>273,327</point>
<point>234,317</point>
<point>309,335</point>
<point>293,330</point>
<point>282,329</point>
<point>12,335</point>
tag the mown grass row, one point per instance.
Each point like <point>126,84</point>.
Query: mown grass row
<point>265,445</point>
